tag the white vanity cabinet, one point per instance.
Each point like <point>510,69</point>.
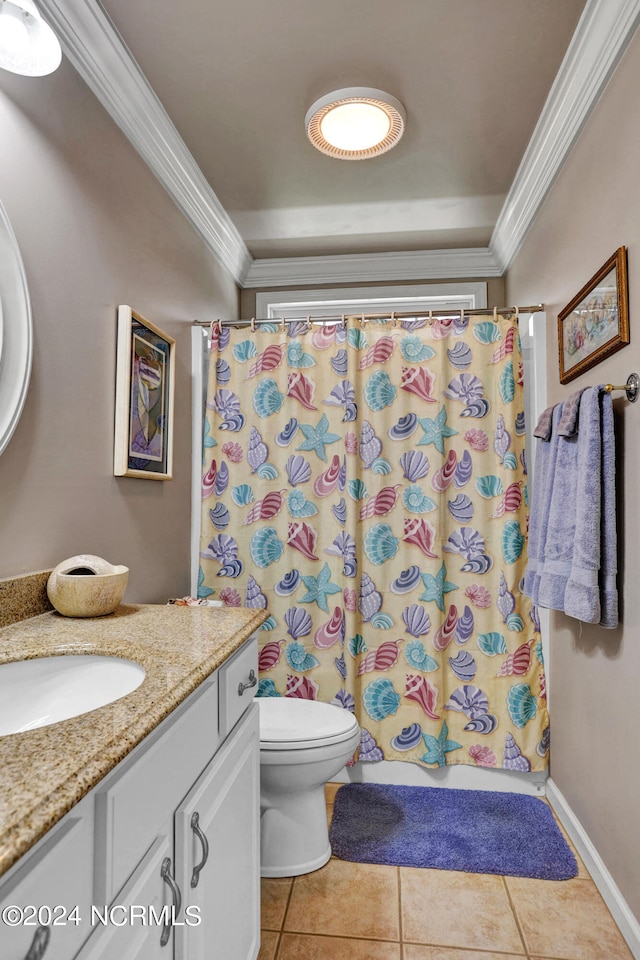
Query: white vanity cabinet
<point>166,862</point>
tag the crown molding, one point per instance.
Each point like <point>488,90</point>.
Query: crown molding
<point>601,37</point>
<point>365,267</point>
<point>94,47</point>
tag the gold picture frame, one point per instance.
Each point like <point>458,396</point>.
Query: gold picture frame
<point>145,384</point>
<point>596,322</point>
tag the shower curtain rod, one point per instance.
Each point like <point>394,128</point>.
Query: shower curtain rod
<point>387,315</point>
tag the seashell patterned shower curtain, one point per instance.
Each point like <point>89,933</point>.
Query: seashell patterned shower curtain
<point>366,484</point>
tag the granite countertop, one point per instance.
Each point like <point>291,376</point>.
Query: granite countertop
<point>48,770</point>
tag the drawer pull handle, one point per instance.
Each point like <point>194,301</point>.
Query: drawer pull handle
<point>251,682</point>
<point>195,826</point>
<point>165,873</point>
<point>39,943</point>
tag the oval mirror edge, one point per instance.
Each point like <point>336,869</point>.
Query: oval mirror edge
<point>17,348</point>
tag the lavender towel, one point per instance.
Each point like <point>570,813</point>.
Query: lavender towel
<point>573,561</point>
<point>568,421</point>
<point>544,469</point>
<point>557,551</point>
<point>568,425</point>
<point>609,551</point>
<point>543,426</point>
<point>590,593</point>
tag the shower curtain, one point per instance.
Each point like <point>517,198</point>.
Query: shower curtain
<point>366,484</point>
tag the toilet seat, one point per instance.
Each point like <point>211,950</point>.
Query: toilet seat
<point>295,724</point>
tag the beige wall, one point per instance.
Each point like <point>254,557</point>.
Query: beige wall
<point>95,229</point>
<point>495,291</point>
<point>595,705</point>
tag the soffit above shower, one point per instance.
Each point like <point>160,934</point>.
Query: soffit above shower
<point>236,79</point>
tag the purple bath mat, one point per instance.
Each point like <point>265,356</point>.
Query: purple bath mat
<point>477,831</point>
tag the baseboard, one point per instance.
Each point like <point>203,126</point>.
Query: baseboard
<point>618,906</point>
<point>455,776</point>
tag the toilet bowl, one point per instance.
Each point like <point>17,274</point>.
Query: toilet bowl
<point>303,744</point>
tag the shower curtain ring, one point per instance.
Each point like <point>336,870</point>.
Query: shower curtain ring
<point>517,313</point>
<point>495,314</point>
<point>216,325</point>
<point>430,318</point>
<point>393,319</point>
<point>282,324</point>
<point>362,321</point>
<point>253,324</point>
<point>308,324</point>
<point>344,321</point>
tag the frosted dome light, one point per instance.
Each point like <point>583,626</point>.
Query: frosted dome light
<point>28,46</point>
<point>355,123</point>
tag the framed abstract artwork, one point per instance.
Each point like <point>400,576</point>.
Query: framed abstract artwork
<point>596,322</point>
<point>145,376</point>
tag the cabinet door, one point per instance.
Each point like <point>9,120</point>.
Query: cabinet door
<point>226,799</point>
<point>131,927</point>
<point>46,885</point>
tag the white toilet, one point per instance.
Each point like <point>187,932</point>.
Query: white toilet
<point>303,744</point>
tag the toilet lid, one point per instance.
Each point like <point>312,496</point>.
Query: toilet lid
<point>294,722</point>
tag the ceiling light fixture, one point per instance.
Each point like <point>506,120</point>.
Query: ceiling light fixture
<point>355,123</point>
<point>28,46</point>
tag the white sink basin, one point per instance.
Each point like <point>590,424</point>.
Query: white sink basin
<point>35,693</point>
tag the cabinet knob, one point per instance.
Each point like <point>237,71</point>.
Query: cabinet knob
<point>251,682</point>
<point>165,873</point>
<point>39,943</point>
<point>195,826</point>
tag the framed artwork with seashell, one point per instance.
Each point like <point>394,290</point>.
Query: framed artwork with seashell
<point>595,323</point>
<point>145,375</point>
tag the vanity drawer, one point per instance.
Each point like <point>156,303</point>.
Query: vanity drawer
<point>57,874</point>
<point>241,670</point>
<point>137,798</point>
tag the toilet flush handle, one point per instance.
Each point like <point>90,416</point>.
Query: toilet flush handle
<point>251,682</point>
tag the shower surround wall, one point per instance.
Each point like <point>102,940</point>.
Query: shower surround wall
<point>387,544</point>
<point>591,210</point>
<point>95,229</point>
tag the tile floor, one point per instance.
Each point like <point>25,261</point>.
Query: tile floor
<point>357,911</point>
